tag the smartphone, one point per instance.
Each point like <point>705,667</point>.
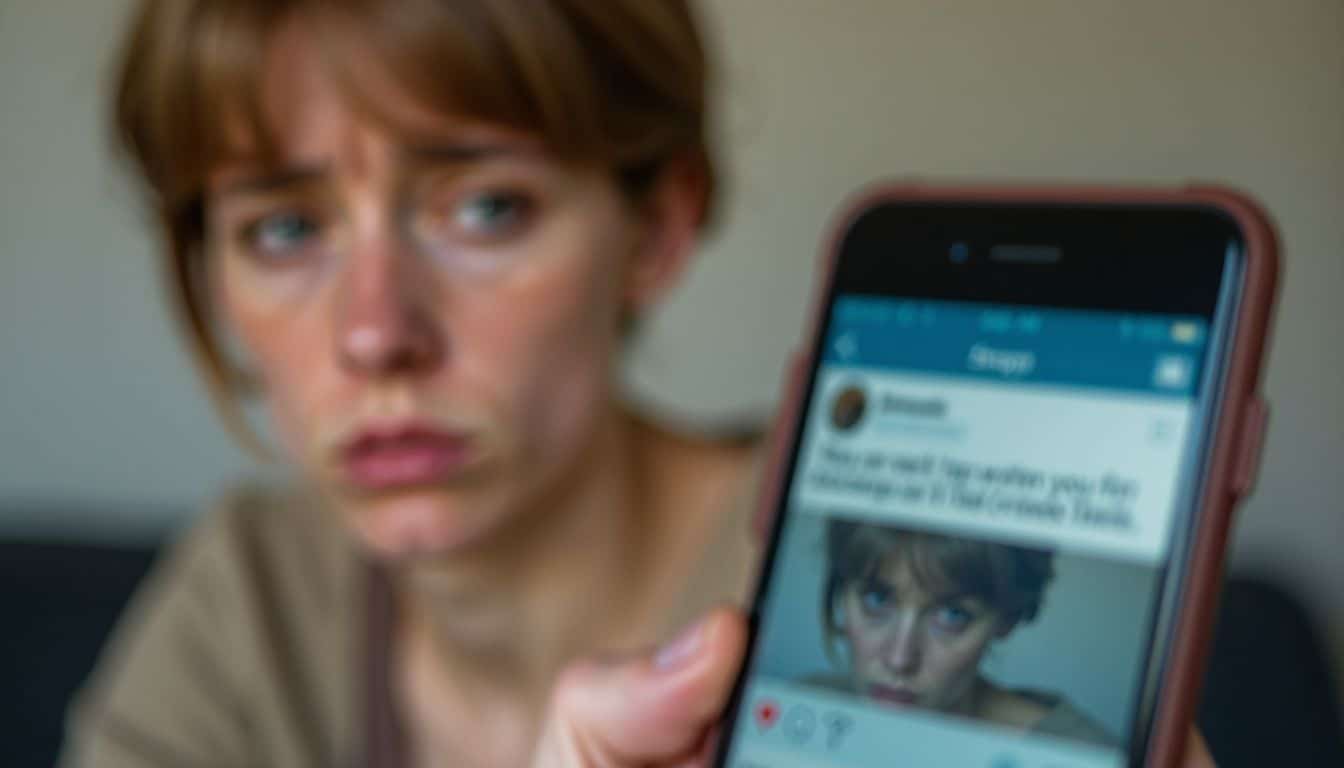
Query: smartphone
<point>1003,480</point>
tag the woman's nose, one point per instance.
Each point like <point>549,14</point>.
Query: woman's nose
<point>901,646</point>
<point>387,321</point>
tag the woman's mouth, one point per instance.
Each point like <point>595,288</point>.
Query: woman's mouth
<point>891,695</point>
<point>385,458</point>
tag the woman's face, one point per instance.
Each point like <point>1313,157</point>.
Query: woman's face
<point>433,313</point>
<point>911,647</point>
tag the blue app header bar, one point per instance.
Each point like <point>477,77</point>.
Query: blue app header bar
<point>1154,354</point>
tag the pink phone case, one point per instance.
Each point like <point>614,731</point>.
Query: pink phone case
<point>1238,434</point>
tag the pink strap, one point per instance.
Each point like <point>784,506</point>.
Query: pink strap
<point>384,741</point>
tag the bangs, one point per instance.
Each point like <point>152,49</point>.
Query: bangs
<point>192,95</point>
<point>932,562</point>
<point>476,60</point>
<point>1010,579</point>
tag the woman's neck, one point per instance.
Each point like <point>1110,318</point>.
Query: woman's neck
<point>600,566</point>
<point>562,577</point>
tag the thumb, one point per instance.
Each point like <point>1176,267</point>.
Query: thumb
<point>650,710</point>
<point>1197,752</point>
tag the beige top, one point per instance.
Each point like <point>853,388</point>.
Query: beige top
<point>247,644</point>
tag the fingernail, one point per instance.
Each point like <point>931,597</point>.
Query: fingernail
<point>681,649</point>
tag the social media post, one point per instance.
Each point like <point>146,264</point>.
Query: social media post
<point>786,725</point>
<point>1078,469</point>
<point>918,629</point>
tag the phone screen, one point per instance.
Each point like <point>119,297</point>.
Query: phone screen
<point>984,521</point>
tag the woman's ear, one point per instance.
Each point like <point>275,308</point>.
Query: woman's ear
<point>672,212</point>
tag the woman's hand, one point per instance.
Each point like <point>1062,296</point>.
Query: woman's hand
<point>655,710</point>
<point>1196,753</point>
<point>658,710</point>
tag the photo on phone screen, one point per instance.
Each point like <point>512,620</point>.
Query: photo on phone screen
<point>985,504</point>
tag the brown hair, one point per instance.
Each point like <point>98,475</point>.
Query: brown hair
<point>1010,579</point>
<point>618,84</point>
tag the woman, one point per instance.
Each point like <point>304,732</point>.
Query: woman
<point>420,231</point>
<point>916,612</point>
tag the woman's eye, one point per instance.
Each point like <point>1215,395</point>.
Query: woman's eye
<point>492,213</point>
<point>875,597</point>
<point>281,236</point>
<point>952,618</point>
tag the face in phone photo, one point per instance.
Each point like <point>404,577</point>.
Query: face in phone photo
<point>910,617</point>
<point>848,407</point>
<point>918,611</point>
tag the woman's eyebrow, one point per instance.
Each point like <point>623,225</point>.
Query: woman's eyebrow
<point>442,153</point>
<point>464,152</point>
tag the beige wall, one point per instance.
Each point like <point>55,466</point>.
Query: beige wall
<point>96,401</point>
<point>823,95</point>
<point>820,96</point>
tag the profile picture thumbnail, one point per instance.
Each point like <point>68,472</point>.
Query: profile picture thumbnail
<point>848,407</point>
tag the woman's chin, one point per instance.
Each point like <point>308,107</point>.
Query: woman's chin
<point>414,525</point>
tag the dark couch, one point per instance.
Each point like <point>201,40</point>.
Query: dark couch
<point>1269,699</point>
<point>59,601</point>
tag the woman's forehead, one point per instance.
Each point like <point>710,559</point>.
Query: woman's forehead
<point>897,572</point>
<point>914,574</point>
<point>310,119</point>
<point>308,101</point>
<point>242,178</point>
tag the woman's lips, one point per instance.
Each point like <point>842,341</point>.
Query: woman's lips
<point>897,697</point>
<point>382,459</point>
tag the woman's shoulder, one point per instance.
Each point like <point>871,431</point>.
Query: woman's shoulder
<point>1065,719</point>
<point>278,537</point>
<point>732,444</point>
<point>707,481</point>
<point>258,543</point>
<point>1054,715</point>
<point>715,468</point>
<point>239,629</point>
